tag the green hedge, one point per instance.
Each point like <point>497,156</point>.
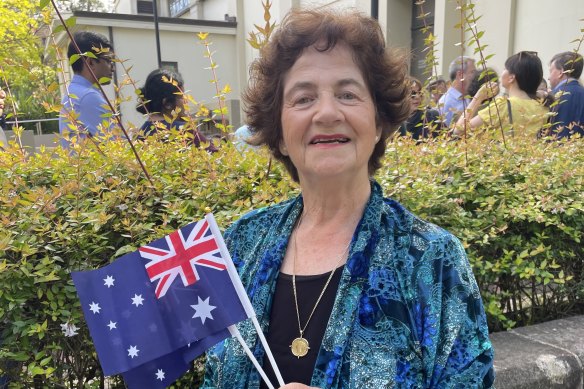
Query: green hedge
<point>518,210</point>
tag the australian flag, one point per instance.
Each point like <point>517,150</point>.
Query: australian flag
<point>152,312</point>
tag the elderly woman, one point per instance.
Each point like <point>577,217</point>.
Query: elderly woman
<point>162,99</point>
<point>519,112</point>
<point>351,289</point>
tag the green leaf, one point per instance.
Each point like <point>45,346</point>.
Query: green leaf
<point>125,250</point>
<point>74,58</point>
<point>71,21</point>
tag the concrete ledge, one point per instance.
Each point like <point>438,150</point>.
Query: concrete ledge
<point>543,356</point>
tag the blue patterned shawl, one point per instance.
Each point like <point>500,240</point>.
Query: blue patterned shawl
<point>408,312</point>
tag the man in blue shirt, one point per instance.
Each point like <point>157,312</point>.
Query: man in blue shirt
<point>565,70</point>
<point>85,112</point>
<point>453,102</point>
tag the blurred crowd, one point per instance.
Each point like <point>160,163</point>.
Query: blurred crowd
<point>518,100</point>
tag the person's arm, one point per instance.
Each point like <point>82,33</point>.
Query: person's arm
<point>488,90</point>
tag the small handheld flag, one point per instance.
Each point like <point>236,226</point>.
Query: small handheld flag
<point>151,312</point>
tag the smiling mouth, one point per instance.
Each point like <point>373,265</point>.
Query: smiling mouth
<point>329,141</point>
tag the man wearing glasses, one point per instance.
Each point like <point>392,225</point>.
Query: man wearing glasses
<point>565,70</point>
<point>85,112</point>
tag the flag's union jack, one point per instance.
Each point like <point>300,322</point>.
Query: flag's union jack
<point>182,257</point>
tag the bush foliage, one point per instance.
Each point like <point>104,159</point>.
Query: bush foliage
<point>518,211</point>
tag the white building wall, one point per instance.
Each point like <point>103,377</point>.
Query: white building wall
<point>548,27</point>
<point>135,45</point>
<point>338,4</point>
<point>510,26</point>
<point>125,6</point>
<point>216,9</point>
<point>186,50</point>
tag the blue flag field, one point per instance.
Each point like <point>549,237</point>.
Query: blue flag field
<point>152,312</point>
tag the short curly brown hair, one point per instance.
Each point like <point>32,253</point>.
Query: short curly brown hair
<point>384,71</point>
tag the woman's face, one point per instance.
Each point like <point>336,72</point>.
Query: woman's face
<point>328,115</point>
<point>438,91</point>
<point>179,106</point>
<point>506,79</point>
<point>181,103</point>
<point>2,97</point>
<point>415,97</point>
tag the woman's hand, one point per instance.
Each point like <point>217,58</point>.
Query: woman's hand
<point>295,385</point>
<point>487,91</point>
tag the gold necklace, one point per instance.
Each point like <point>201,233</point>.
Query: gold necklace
<point>300,345</point>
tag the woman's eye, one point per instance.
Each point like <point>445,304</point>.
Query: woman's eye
<point>303,100</point>
<point>347,96</point>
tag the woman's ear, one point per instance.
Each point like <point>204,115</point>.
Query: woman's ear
<point>167,105</point>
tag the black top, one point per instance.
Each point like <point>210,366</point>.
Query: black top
<point>283,327</point>
<point>150,128</point>
<point>420,127</point>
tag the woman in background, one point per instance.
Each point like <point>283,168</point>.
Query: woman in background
<point>163,101</point>
<point>437,87</point>
<point>480,78</point>
<point>423,122</point>
<point>519,112</point>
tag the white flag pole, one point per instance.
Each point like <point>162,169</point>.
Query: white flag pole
<point>235,332</point>
<point>243,294</point>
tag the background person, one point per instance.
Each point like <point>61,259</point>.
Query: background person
<point>481,77</point>
<point>565,70</point>
<point>3,140</point>
<point>352,289</point>
<point>437,88</point>
<point>85,109</point>
<point>461,70</point>
<point>241,138</point>
<point>521,78</point>
<point>423,122</point>
<point>161,99</point>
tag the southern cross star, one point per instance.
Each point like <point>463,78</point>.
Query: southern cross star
<point>160,374</point>
<point>133,351</point>
<point>137,299</point>
<point>112,325</point>
<point>109,281</point>
<point>203,309</point>
<point>94,307</point>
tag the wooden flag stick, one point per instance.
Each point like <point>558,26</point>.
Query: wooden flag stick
<point>243,294</point>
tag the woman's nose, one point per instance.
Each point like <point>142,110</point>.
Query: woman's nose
<point>327,109</point>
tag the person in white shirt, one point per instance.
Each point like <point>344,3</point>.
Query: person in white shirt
<point>454,101</point>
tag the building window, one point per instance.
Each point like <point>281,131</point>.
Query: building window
<point>176,7</point>
<point>169,65</point>
<point>145,7</point>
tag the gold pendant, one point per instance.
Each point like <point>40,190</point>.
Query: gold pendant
<point>299,347</point>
